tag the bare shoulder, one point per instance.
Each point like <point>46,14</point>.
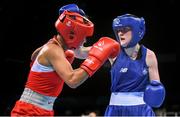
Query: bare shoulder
<point>150,58</point>
<point>48,53</point>
<point>52,50</point>
<point>150,53</point>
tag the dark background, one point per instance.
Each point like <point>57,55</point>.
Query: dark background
<point>26,25</point>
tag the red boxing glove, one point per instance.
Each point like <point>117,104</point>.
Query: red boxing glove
<point>102,50</point>
<point>69,55</point>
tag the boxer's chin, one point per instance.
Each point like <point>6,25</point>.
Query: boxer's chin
<point>123,44</point>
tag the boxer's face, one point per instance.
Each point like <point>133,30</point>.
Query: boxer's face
<point>125,35</point>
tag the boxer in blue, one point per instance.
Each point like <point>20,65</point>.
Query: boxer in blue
<point>135,80</point>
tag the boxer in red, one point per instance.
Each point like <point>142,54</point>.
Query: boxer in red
<point>51,66</point>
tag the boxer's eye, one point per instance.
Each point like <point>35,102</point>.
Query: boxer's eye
<point>124,29</point>
<point>72,17</point>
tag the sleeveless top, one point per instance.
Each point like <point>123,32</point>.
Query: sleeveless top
<point>44,80</point>
<point>129,75</point>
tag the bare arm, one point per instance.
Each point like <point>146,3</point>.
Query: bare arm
<point>82,52</point>
<point>56,57</point>
<point>155,92</point>
<point>152,63</point>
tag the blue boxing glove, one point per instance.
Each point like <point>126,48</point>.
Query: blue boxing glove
<point>154,94</point>
<point>72,8</point>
